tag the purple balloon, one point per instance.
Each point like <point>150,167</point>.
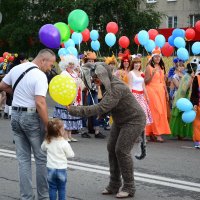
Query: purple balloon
<point>49,36</point>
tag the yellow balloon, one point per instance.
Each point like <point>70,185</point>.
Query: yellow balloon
<point>63,89</point>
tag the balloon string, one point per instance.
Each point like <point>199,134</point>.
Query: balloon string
<point>99,53</point>
<point>138,48</point>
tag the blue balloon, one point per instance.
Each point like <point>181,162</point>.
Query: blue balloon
<point>69,43</point>
<point>196,48</point>
<point>179,42</point>
<point>178,33</point>
<point>183,33</point>
<point>77,37</point>
<point>171,41</point>
<point>110,39</point>
<point>95,45</point>
<point>184,104</point>
<point>72,51</point>
<point>143,37</point>
<point>150,46</point>
<point>183,54</point>
<point>94,35</point>
<point>62,52</point>
<point>160,40</point>
<point>188,116</point>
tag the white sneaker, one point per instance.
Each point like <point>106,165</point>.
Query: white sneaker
<point>73,140</point>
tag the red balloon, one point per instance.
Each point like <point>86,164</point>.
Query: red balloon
<point>136,39</point>
<point>62,45</point>
<point>124,42</point>
<point>86,35</point>
<point>152,34</point>
<point>1,59</point>
<point>167,49</point>
<point>112,27</point>
<point>5,54</point>
<point>197,26</point>
<point>11,58</point>
<point>71,31</point>
<point>190,34</point>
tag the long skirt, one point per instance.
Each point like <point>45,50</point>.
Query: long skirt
<point>70,122</point>
<point>178,127</point>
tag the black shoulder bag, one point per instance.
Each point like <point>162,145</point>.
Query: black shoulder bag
<point>21,76</point>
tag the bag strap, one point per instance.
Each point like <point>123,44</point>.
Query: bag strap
<point>21,76</point>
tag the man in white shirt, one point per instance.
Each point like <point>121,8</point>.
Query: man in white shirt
<point>29,109</point>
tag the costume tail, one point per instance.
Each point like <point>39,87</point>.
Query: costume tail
<point>143,147</point>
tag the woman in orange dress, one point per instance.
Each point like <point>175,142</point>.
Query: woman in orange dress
<point>158,97</point>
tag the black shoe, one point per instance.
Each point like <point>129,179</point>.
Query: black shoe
<point>100,135</point>
<point>91,131</point>
<point>75,132</point>
<point>85,135</point>
<point>5,116</point>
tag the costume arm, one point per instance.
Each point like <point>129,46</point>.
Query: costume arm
<point>106,104</point>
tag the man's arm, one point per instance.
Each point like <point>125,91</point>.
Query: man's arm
<point>5,87</point>
<point>42,110</point>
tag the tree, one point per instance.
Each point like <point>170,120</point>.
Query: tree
<point>22,20</point>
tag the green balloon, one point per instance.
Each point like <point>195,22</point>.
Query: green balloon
<point>78,20</point>
<point>64,31</point>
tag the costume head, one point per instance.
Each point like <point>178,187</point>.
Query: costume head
<point>88,56</point>
<point>191,67</point>
<point>100,70</point>
<point>197,62</point>
<point>68,61</point>
<point>111,60</point>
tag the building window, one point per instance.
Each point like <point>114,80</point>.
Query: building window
<point>194,19</point>
<point>172,22</point>
<point>151,1</point>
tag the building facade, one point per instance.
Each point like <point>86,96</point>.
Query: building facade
<point>177,13</point>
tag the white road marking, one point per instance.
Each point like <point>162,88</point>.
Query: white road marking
<point>159,180</point>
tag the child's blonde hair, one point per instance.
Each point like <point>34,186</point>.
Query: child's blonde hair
<point>54,127</point>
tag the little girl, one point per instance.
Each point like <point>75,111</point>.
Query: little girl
<point>58,150</point>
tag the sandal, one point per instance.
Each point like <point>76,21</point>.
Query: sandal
<point>106,192</point>
<point>159,139</point>
<point>122,195</point>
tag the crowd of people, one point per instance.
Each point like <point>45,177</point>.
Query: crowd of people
<point>119,94</point>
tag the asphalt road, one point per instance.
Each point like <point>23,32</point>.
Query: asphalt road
<point>169,172</point>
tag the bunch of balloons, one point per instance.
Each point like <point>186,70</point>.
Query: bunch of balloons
<point>53,35</point>
<point>186,107</point>
<point>150,40</point>
<point>94,36</point>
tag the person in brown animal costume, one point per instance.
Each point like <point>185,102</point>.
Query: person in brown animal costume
<point>128,124</point>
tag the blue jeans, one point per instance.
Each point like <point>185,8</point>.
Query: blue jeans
<point>28,135</point>
<point>57,179</point>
